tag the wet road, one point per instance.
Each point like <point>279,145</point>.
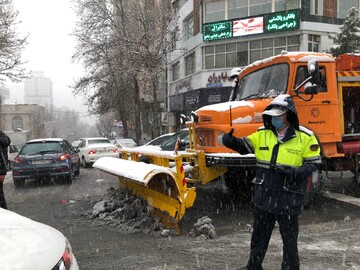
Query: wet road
<point>329,236</point>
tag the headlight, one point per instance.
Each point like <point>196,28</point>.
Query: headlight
<point>219,138</point>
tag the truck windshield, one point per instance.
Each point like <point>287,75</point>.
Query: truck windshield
<point>266,82</point>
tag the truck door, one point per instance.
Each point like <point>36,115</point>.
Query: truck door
<point>321,113</point>
<point>349,93</point>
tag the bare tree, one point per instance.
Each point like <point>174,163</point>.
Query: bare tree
<point>105,125</point>
<point>103,84</point>
<point>123,45</point>
<point>11,45</point>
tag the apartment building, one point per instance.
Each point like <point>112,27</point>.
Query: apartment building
<point>38,90</point>
<point>218,35</point>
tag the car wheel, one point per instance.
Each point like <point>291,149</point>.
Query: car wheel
<point>19,182</point>
<point>84,163</point>
<point>69,178</point>
<point>77,172</point>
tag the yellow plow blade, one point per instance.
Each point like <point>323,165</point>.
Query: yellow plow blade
<point>164,189</point>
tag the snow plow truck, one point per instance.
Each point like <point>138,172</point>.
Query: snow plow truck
<point>326,93</point>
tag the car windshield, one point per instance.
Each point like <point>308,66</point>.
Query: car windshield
<point>93,141</point>
<point>266,82</point>
<point>169,143</point>
<point>41,148</point>
<point>159,140</point>
<point>126,141</point>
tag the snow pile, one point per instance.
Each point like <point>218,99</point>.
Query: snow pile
<point>203,228</point>
<point>119,208</point>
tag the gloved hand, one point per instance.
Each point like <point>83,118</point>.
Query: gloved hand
<point>286,171</point>
<point>229,140</point>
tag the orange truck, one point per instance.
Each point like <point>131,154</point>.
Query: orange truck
<point>327,102</point>
<point>326,93</point>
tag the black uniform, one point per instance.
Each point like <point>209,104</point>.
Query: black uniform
<point>4,143</point>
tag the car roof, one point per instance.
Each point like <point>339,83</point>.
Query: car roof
<point>94,138</point>
<point>125,140</point>
<point>46,140</point>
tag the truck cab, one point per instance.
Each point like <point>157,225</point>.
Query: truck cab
<point>258,84</point>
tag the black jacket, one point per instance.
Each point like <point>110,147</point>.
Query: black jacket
<point>4,143</point>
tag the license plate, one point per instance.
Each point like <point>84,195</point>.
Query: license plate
<point>41,162</point>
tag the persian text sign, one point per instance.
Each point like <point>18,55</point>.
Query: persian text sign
<point>282,21</point>
<point>218,30</point>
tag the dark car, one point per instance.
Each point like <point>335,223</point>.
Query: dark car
<point>169,143</point>
<point>46,159</point>
<point>160,139</point>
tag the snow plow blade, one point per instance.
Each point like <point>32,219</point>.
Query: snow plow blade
<point>165,189</point>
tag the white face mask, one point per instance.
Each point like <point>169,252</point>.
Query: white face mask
<point>277,122</point>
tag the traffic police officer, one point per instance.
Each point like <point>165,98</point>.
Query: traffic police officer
<point>287,155</point>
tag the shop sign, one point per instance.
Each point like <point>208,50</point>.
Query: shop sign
<point>274,22</point>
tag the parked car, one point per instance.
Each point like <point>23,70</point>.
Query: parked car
<point>160,139</point>
<point>76,143</point>
<point>91,149</point>
<point>125,142</point>
<point>13,151</point>
<point>45,159</point>
<point>169,143</point>
<point>28,244</point>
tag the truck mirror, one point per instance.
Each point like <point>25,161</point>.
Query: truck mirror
<point>311,89</point>
<point>313,70</point>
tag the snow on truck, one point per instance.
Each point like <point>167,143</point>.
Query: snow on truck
<point>326,93</point>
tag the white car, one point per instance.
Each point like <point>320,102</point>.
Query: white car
<point>125,142</point>
<point>27,244</point>
<point>91,149</point>
<point>13,151</point>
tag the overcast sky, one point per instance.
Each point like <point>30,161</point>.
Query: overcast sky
<point>49,24</point>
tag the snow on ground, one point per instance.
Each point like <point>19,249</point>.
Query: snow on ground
<point>133,215</point>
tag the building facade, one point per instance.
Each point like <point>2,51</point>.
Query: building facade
<point>218,35</point>
<point>22,122</point>
<point>38,90</point>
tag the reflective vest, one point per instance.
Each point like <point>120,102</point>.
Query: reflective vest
<point>273,192</point>
<point>301,146</point>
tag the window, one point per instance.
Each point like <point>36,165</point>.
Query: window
<point>313,43</point>
<point>316,7</point>
<point>260,7</point>
<point>242,53</point>
<point>268,81</point>
<point>190,64</point>
<point>237,9</point>
<point>175,71</point>
<point>323,84</point>
<point>17,122</point>
<point>173,40</point>
<point>189,27</point>
<point>301,75</point>
<point>215,11</point>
